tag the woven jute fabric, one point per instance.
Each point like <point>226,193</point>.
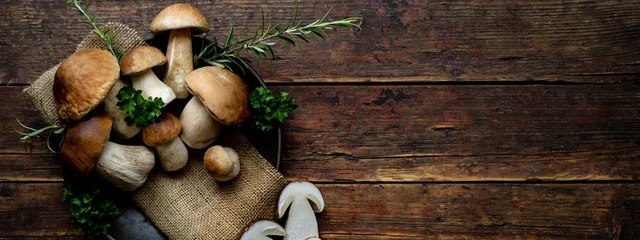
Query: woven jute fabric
<point>190,204</point>
<point>187,204</point>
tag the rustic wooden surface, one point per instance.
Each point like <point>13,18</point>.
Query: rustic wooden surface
<point>438,119</point>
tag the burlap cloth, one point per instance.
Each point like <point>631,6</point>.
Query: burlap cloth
<point>188,204</point>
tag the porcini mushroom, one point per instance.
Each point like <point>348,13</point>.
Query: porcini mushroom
<point>163,135</point>
<point>223,93</point>
<point>181,20</point>
<point>126,167</point>
<point>120,127</point>
<point>83,144</point>
<point>222,163</point>
<point>199,129</point>
<point>304,199</point>
<point>261,230</point>
<point>137,63</point>
<point>82,81</point>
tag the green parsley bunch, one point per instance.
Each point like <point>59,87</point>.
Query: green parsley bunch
<point>267,110</point>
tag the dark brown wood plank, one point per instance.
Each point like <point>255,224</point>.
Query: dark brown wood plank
<point>463,133</point>
<point>406,41</point>
<point>16,106</point>
<point>402,211</point>
<point>26,168</point>
<point>433,133</point>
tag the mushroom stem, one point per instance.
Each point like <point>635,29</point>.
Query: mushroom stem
<point>302,223</point>
<point>126,167</point>
<point>151,86</point>
<point>179,61</point>
<point>120,127</point>
<point>199,128</point>
<point>173,155</point>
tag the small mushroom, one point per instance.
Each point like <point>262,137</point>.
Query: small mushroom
<point>163,135</point>
<point>82,82</point>
<point>83,144</point>
<point>120,127</point>
<point>222,163</point>
<point>304,199</point>
<point>180,19</point>
<point>124,166</point>
<point>199,129</point>
<point>223,93</point>
<point>261,230</point>
<point>137,63</point>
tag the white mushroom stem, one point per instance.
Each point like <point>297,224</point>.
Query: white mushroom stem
<point>261,229</point>
<point>126,167</point>
<point>120,127</point>
<point>179,61</point>
<point>151,86</point>
<point>173,155</point>
<point>302,223</point>
<point>199,128</point>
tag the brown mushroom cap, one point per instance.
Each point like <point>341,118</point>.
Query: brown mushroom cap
<point>162,132</point>
<point>222,163</point>
<point>223,93</point>
<point>84,142</point>
<point>178,16</point>
<point>141,59</point>
<point>82,81</point>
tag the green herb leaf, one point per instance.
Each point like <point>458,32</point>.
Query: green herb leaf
<point>140,112</point>
<point>92,210</point>
<point>260,43</point>
<point>267,110</point>
<point>102,32</point>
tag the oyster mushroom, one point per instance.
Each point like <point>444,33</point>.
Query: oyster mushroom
<point>137,63</point>
<point>180,20</point>
<point>163,135</point>
<point>261,230</point>
<point>302,199</point>
<point>126,167</point>
<point>82,82</point>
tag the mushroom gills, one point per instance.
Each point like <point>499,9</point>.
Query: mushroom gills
<point>151,86</point>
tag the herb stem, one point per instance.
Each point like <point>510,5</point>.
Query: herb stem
<point>101,32</point>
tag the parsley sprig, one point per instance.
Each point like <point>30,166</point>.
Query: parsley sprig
<point>260,43</point>
<point>92,210</point>
<point>140,111</point>
<point>102,32</point>
<point>267,110</point>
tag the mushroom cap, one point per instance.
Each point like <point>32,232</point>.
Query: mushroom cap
<point>141,59</point>
<point>162,132</point>
<point>178,16</point>
<point>223,93</point>
<point>82,81</point>
<point>259,230</point>
<point>300,191</point>
<point>84,142</point>
<point>222,163</point>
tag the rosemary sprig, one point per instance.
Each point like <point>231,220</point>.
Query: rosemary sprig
<point>29,137</point>
<point>102,32</point>
<point>260,43</point>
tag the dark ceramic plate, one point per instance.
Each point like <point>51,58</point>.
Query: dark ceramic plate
<point>133,224</point>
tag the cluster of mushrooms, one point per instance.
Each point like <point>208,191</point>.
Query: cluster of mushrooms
<point>303,200</point>
<point>86,86</point>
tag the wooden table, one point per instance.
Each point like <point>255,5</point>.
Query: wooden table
<point>486,119</point>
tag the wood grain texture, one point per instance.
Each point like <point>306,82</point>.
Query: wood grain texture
<point>463,133</point>
<point>400,40</point>
<point>399,211</point>
<point>430,134</point>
